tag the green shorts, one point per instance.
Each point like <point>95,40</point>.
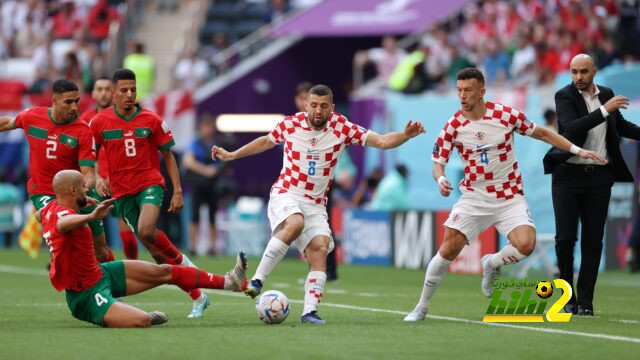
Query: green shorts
<point>97,226</point>
<point>128,207</point>
<point>91,305</point>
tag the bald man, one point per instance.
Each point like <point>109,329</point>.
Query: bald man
<point>588,116</point>
<point>91,288</point>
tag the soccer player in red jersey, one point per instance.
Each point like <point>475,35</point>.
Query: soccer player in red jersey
<point>102,94</point>
<point>92,289</point>
<point>57,141</point>
<point>131,137</point>
<point>314,141</point>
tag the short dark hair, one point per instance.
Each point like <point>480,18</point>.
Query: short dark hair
<point>63,86</point>
<point>102,77</point>
<point>471,73</point>
<point>123,74</point>
<point>303,87</point>
<point>321,90</point>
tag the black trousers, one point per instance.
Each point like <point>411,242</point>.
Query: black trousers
<point>581,193</point>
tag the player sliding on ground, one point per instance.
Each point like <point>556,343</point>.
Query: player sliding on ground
<point>92,289</point>
<point>313,142</point>
<point>59,140</point>
<point>131,137</point>
<point>492,185</point>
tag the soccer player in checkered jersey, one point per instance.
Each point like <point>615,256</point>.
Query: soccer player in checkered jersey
<point>482,132</point>
<point>102,93</point>
<point>59,140</point>
<point>313,142</point>
<point>131,138</point>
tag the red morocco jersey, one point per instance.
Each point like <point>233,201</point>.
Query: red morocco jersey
<point>103,166</point>
<point>53,147</point>
<point>486,150</point>
<point>74,265</point>
<point>131,146</point>
<point>310,156</point>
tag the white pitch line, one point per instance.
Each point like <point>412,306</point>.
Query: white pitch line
<point>28,271</point>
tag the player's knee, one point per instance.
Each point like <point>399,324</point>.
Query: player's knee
<point>147,234</point>
<point>294,223</point>
<point>527,247</point>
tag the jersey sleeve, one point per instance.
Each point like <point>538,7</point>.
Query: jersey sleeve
<point>521,124</point>
<point>277,135</point>
<point>95,131</point>
<point>444,144</point>
<point>86,148</point>
<point>19,121</point>
<point>355,134</point>
<point>162,135</point>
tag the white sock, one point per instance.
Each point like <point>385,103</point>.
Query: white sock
<point>435,273</point>
<point>313,290</point>
<point>275,251</point>
<point>508,255</point>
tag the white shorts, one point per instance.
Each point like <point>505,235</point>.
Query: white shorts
<point>471,216</point>
<point>316,220</point>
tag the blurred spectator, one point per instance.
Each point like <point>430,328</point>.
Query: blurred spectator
<point>458,62</point>
<point>72,69</point>
<point>495,62</point>
<point>384,58</point>
<point>276,11</point>
<point>604,53</point>
<point>170,5</point>
<point>202,175</point>
<point>300,98</point>
<point>393,191</point>
<point>550,120</point>
<point>191,71</point>
<point>438,61</point>
<point>9,198</point>
<point>66,21</point>
<point>25,40</point>
<point>524,58</point>
<point>218,43</point>
<point>100,18</point>
<point>143,66</point>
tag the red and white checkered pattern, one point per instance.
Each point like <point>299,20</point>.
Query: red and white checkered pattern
<point>486,150</point>
<point>310,156</point>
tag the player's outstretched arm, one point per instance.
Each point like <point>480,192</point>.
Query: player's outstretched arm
<point>177,201</point>
<point>70,222</point>
<point>558,141</point>
<point>261,144</point>
<point>396,138</point>
<point>444,186</point>
<point>6,123</point>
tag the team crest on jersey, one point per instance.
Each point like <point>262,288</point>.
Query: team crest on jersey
<point>480,136</point>
<point>314,142</point>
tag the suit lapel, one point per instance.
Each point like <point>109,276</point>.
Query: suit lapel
<point>582,105</point>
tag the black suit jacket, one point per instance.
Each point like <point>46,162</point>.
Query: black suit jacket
<point>575,121</point>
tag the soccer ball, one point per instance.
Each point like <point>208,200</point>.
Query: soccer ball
<point>272,307</point>
<point>544,289</point>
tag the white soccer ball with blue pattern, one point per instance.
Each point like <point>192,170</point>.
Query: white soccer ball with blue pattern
<point>272,307</point>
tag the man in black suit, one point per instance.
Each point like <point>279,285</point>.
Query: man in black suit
<point>588,116</point>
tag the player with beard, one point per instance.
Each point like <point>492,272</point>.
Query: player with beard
<point>313,142</point>
<point>102,94</point>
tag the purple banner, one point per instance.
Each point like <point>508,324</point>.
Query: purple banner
<point>368,17</point>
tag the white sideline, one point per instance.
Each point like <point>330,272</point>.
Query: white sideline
<point>29,271</point>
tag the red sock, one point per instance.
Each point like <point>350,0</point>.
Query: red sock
<point>193,293</point>
<point>129,245</point>
<point>190,278</point>
<point>167,248</point>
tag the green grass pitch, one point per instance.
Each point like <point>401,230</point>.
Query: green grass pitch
<point>364,312</point>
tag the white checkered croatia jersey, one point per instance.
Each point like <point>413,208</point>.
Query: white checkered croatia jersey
<point>310,156</point>
<point>486,149</point>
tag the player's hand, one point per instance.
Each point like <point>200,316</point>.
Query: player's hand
<point>445,188</point>
<point>91,201</point>
<point>220,153</point>
<point>102,186</point>
<point>413,129</point>
<point>103,209</point>
<point>616,103</point>
<point>587,154</point>
<point>177,202</point>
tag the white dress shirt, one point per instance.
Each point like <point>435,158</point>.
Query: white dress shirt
<point>596,137</point>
